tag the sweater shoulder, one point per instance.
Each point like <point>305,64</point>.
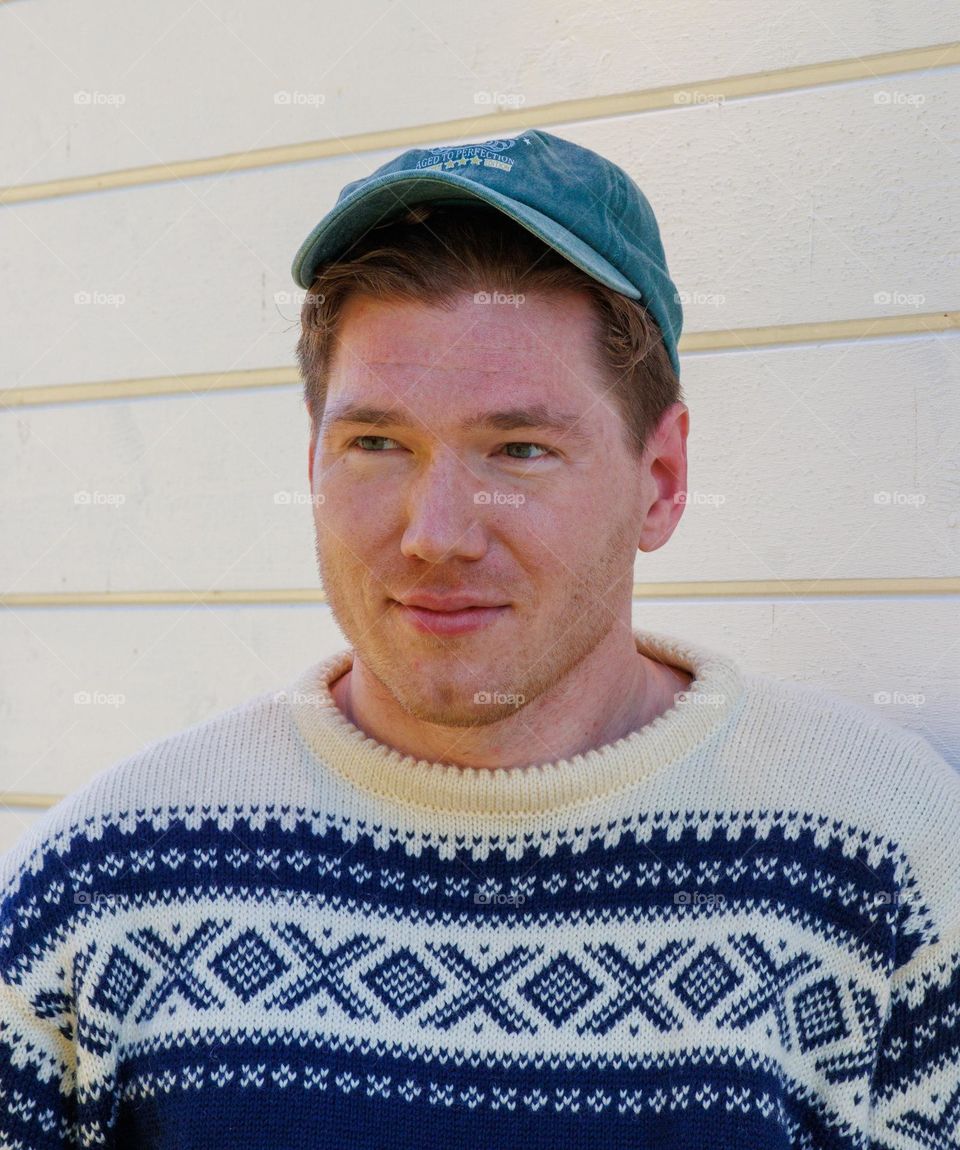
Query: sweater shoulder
<point>820,752</point>
<point>218,759</point>
<point>851,738</point>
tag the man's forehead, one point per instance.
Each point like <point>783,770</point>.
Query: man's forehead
<point>467,376</point>
<point>538,367</point>
<point>402,366</point>
<point>491,334</point>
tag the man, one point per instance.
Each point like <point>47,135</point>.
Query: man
<point>505,870</point>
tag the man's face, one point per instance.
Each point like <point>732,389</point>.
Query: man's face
<point>544,522</point>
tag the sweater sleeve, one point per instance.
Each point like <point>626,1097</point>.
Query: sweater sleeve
<point>915,1091</point>
<point>36,1102</point>
<point>45,1104</point>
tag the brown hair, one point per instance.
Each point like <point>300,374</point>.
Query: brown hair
<point>432,252</point>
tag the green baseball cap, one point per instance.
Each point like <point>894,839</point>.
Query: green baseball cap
<point>574,199</point>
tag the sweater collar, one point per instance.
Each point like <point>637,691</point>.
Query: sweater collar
<point>382,771</point>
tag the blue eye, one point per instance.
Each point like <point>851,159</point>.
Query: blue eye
<point>382,438</point>
<point>357,440</point>
<point>538,446</point>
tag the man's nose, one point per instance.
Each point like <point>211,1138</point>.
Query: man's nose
<point>444,521</point>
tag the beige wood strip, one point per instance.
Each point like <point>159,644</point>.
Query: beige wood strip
<point>154,385</point>
<point>925,323</point>
<point>721,589</point>
<point>498,123</point>
<point>25,799</point>
<point>722,339</point>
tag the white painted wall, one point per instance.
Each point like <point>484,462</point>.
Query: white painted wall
<point>821,202</point>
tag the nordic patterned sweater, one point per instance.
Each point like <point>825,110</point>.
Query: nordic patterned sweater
<point>737,927</point>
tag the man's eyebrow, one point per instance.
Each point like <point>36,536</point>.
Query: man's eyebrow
<point>538,415</point>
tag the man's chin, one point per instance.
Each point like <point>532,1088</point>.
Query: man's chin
<point>450,704</point>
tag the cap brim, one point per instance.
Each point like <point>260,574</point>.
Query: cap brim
<point>386,195</point>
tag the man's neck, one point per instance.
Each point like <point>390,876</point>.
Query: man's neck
<point>647,688</point>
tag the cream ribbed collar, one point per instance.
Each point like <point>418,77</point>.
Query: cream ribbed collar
<point>381,770</point>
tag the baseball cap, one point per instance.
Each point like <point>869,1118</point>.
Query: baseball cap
<point>576,201</point>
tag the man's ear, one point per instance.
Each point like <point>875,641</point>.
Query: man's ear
<point>311,451</point>
<point>667,466</point>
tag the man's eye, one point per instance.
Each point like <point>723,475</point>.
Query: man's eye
<point>538,446</point>
<point>378,438</point>
<point>381,439</point>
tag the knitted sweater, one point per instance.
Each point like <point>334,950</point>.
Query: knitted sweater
<point>738,926</point>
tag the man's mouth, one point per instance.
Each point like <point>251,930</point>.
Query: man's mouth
<point>448,621</point>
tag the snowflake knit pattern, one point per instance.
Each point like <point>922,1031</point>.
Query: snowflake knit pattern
<point>737,927</point>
